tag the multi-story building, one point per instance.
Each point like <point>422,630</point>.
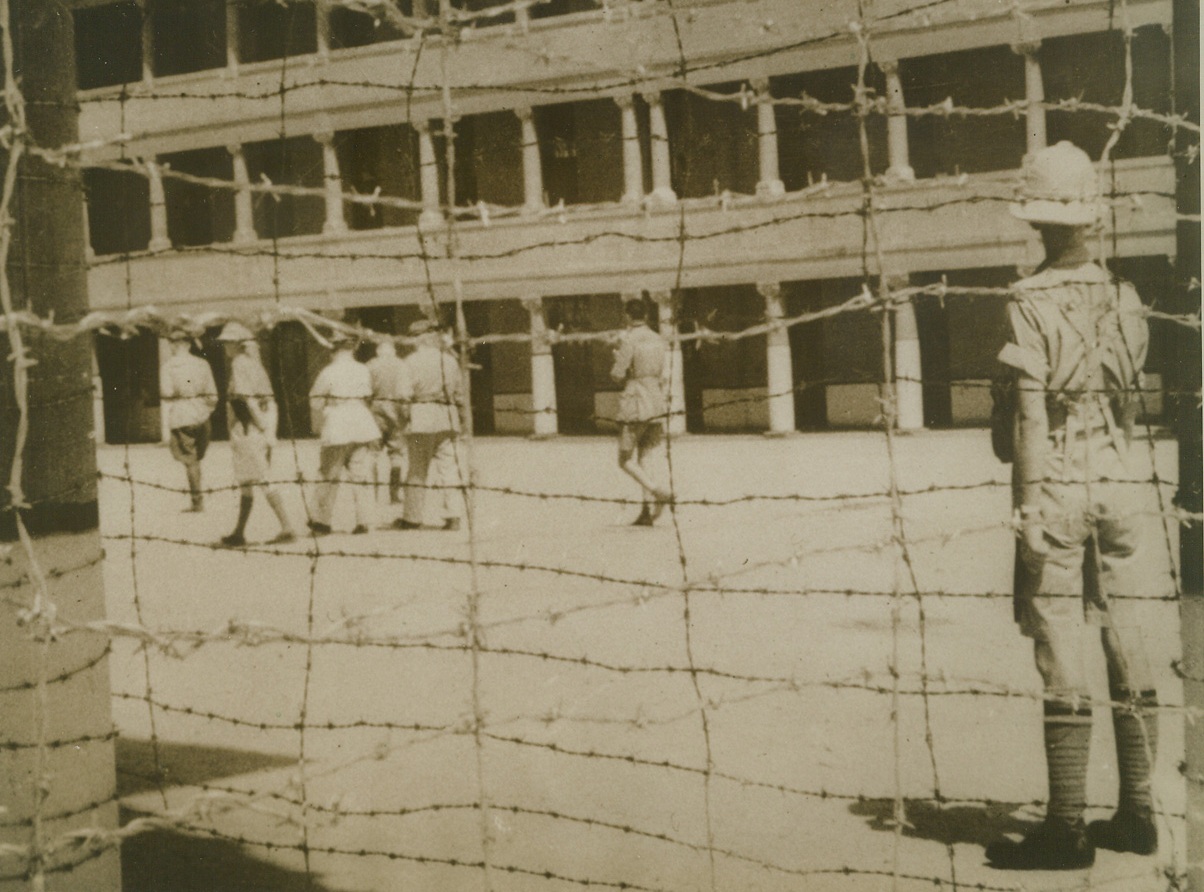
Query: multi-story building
<point>588,166</point>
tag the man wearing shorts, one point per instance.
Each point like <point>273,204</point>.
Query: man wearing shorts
<point>252,414</point>
<point>640,367</point>
<point>1078,339</point>
<point>188,395</point>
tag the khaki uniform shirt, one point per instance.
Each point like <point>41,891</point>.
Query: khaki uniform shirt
<point>188,391</point>
<point>434,389</point>
<point>639,367</point>
<point>389,379</point>
<point>339,401</point>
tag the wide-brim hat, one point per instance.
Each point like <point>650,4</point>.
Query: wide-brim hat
<point>1059,187</point>
<point>176,333</point>
<point>235,332</point>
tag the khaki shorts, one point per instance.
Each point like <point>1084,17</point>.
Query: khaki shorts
<point>189,444</point>
<point>639,436</point>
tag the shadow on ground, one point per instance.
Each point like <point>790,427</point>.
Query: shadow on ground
<point>182,764</point>
<point>166,860</point>
<point>952,824</point>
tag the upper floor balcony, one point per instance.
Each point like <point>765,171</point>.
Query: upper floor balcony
<point>193,73</point>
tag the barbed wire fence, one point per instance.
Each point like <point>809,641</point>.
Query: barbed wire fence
<point>287,818</point>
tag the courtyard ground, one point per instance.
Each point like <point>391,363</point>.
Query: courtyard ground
<point>709,703</point>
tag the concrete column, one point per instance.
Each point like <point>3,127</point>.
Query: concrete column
<point>98,399</point>
<point>780,379</point>
<point>148,42</point>
<point>770,184</point>
<point>633,163</point>
<point>159,240</point>
<point>431,215</point>
<point>543,372</point>
<point>244,217</point>
<point>232,41</point>
<point>532,167</point>
<point>1034,95</point>
<point>909,387</point>
<point>322,26</point>
<point>89,254</point>
<point>662,178</point>
<point>336,223</point>
<point>667,315</point>
<point>898,156</point>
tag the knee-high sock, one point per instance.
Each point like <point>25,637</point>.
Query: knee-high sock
<point>1136,728</point>
<point>245,504</point>
<point>1067,744</point>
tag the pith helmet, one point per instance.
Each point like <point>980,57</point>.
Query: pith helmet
<point>1059,187</point>
<point>235,331</point>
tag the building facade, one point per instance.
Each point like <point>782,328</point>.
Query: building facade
<point>594,158</point>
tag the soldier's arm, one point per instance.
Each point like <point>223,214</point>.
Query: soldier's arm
<point>623,357</point>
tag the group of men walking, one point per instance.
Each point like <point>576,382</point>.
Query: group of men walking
<point>412,406</point>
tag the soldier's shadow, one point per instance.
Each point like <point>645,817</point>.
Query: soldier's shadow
<point>950,824</point>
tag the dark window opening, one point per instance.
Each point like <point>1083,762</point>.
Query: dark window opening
<point>1091,68</point>
<point>384,158</point>
<point>978,78</point>
<point>108,45</point>
<point>188,35</point>
<point>488,160</point>
<point>813,146</point>
<point>118,210</point>
<point>296,161</point>
<point>198,214</point>
<point>581,151</point>
<point>351,28</point>
<point>271,30</point>
<point>712,143</point>
<point>562,7</point>
<point>724,380</point>
<point>583,368</point>
<point>129,381</point>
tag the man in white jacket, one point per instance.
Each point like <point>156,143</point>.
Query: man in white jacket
<point>339,407</point>
<point>432,386</point>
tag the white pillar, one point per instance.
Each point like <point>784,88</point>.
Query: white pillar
<point>1034,95</point>
<point>159,240</point>
<point>232,30</point>
<point>148,42</point>
<point>89,253</point>
<point>543,372</point>
<point>633,163</point>
<point>770,184</point>
<point>662,175</point>
<point>780,378</point>
<point>336,223</point>
<point>898,156</point>
<point>98,401</point>
<point>244,216</point>
<point>677,382</point>
<point>428,168</point>
<point>532,167</point>
<point>322,26</point>
<point>909,386</point>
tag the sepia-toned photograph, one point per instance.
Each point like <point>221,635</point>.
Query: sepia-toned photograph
<point>559,445</point>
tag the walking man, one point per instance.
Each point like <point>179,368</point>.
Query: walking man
<point>338,404</point>
<point>433,387</point>
<point>251,409</point>
<point>1078,340</point>
<point>387,370</point>
<point>188,395</point>
<point>640,366</point>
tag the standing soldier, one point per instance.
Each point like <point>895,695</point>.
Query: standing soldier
<point>338,403</point>
<point>188,396</point>
<point>387,370</point>
<point>433,388</point>
<point>1078,340</point>
<point>251,408</point>
<point>640,366</point>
